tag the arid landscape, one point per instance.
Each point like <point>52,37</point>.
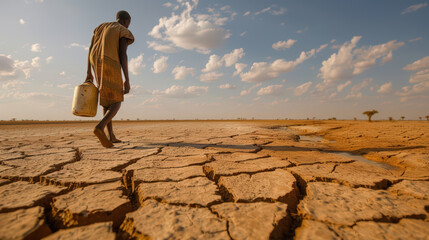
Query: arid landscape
<point>216,180</point>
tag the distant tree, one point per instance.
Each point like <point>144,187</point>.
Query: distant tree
<point>420,118</point>
<point>370,114</point>
<point>355,118</point>
<point>402,117</point>
<point>427,117</point>
<point>391,119</point>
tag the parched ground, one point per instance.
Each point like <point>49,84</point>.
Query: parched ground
<point>216,180</point>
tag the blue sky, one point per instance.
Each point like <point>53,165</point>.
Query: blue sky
<point>224,59</point>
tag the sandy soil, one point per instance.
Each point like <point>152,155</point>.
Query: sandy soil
<point>216,180</point>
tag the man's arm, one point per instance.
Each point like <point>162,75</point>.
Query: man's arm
<point>88,71</point>
<point>123,58</point>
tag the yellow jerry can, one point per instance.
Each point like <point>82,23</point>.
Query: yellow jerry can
<point>85,100</point>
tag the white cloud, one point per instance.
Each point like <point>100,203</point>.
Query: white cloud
<point>35,62</point>
<point>303,88</point>
<point>355,92</point>
<point>385,88</point>
<point>49,59</point>
<point>181,72</point>
<point>246,13</point>
<point>419,80</point>
<point>210,77</point>
<point>273,90</point>
<point>181,92</point>
<point>215,62</point>
<point>242,34</point>
<point>14,84</point>
<point>36,47</point>
<point>263,71</point>
<point>232,57</point>
<point>189,31</point>
<point>160,65</point>
<point>62,73</point>
<point>282,45</point>
<point>239,67</point>
<point>79,46</point>
<point>349,62</point>
<point>280,11</point>
<point>342,86</point>
<point>167,4</point>
<point>413,8</point>
<point>263,10</point>
<point>162,48</point>
<point>248,91</point>
<point>65,85</point>
<point>415,39</point>
<point>11,69</point>
<point>21,21</point>
<point>227,86</point>
<point>135,65</point>
<point>418,65</point>
<point>321,48</point>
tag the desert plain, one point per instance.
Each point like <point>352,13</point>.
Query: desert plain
<point>216,180</point>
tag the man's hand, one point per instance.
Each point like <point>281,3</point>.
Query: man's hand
<point>89,76</point>
<point>127,87</point>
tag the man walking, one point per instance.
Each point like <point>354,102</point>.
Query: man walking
<point>107,54</point>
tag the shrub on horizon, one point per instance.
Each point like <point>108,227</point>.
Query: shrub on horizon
<point>370,114</point>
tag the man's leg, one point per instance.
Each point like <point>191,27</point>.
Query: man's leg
<point>108,116</point>
<point>112,136</point>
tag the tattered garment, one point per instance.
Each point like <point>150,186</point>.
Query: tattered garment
<point>104,58</point>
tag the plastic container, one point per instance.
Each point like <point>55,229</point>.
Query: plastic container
<point>85,100</point>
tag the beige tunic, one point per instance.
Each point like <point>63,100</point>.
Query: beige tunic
<point>104,58</point>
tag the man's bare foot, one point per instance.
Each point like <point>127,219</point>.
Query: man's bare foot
<point>115,140</point>
<point>102,137</point>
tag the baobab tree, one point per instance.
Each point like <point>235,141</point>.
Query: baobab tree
<point>402,117</point>
<point>370,113</point>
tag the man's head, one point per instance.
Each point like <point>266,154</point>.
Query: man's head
<point>124,18</point>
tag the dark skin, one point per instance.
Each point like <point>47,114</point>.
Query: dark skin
<point>110,111</point>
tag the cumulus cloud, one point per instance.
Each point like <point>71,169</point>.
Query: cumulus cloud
<point>11,69</point>
<point>135,65</point>
<point>21,21</point>
<point>263,71</point>
<point>13,84</point>
<point>181,72</point>
<point>273,90</point>
<point>215,62</point>
<point>79,46</point>
<point>190,31</point>
<point>49,59</point>
<point>356,91</point>
<point>36,47</point>
<point>227,86</point>
<point>413,8</point>
<point>419,80</point>
<point>210,77</point>
<point>385,88</point>
<point>303,88</point>
<point>181,92</point>
<point>239,67</point>
<point>160,65</point>
<point>248,91</point>
<point>35,62</point>
<point>161,47</point>
<point>282,45</point>
<point>350,61</point>
<point>65,85</point>
<point>232,57</point>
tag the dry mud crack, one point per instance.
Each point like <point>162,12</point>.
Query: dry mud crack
<point>211,180</point>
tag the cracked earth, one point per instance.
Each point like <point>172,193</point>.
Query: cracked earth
<point>216,180</point>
